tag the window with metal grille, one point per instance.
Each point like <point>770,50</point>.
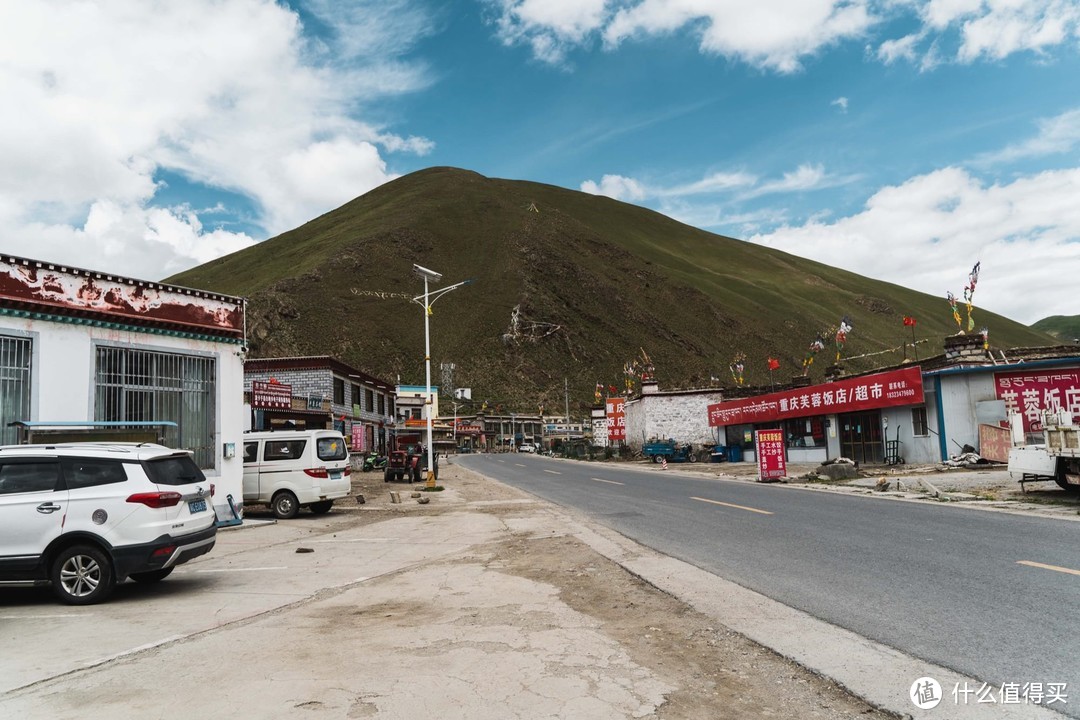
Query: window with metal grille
<point>15,354</point>
<point>919,427</point>
<point>142,385</point>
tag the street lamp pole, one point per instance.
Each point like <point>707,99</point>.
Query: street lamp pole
<point>427,301</point>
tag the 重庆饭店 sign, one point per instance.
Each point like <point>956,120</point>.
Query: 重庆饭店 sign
<point>870,392</point>
<point>616,417</point>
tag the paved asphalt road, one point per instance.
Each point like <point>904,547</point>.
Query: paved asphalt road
<point>948,585</point>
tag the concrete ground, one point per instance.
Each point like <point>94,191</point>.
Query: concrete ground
<point>484,603</point>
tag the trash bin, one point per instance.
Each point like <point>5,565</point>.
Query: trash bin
<point>719,454</point>
<point>734,453</point>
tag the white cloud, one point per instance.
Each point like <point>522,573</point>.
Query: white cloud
<point>714,183</point>
<point>617,187</point>
<point>549,27</point>
<point>779,35</point>
<point>228,93</point>
<point>904,48</point>
<point>774,34</point>
<point>1026,234</point>
<point>840,102</point>
<point>1059,134</point>
<point>740,185</point>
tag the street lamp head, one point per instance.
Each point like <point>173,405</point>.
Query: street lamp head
<point>426,274</point>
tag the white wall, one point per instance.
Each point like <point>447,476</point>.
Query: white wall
<point>682,416</point>
<point>62,384</point>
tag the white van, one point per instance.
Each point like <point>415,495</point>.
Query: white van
<point>291,469</point>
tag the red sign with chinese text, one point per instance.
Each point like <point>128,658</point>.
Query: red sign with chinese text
<point>357,438</point>
<point>616,419</point>
<point>869,392</point>
<point>1034,392</point>
<point>270,396</point>
<point>769,448</point>
<point>994,443</point>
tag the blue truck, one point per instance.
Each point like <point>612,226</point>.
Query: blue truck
<point>658,450</point>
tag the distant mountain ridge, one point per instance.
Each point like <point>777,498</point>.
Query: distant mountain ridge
<point>1063,327</point>
<point>568,285</point>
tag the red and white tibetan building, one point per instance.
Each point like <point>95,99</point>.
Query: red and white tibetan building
<point>90,354</point>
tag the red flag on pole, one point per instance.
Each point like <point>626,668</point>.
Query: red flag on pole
<point>774,364</point>
<point>909,321</point>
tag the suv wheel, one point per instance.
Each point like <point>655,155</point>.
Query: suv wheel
<point>322,507</point>
<point>82,575</point>
<point>151,576</point>
<point>285,505</point>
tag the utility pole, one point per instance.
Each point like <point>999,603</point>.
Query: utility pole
<point>566,399</point>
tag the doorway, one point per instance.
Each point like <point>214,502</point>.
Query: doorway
<point>860,437</point>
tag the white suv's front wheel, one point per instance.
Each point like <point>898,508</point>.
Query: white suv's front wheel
<point>82,575</point>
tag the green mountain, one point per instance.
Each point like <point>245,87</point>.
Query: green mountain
<point>567,285</point>
<point>1063,327</point>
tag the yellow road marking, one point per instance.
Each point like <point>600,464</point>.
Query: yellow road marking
<point>1055,568</point>
<point>553,472</point>
<point>608,481</point>
<point>740,507</point>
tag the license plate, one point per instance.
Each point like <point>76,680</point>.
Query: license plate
<point>335,474</point>
<point>197,506</point>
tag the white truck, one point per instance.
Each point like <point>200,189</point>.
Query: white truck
<point>1057,459</point>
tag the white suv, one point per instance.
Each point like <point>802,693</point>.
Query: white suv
<point>84,516</point>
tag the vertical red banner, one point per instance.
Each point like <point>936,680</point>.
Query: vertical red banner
<point>616,419</point>
<point>769,448</point>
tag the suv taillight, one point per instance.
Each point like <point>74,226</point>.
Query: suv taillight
<point>317,472</point>
<point>348,470</point>
<point>156,499</point>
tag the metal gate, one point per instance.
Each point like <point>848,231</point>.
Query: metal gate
<point>15,356</point>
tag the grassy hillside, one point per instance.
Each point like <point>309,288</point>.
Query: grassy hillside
<point>595,281</point>
<point>1063,327</point>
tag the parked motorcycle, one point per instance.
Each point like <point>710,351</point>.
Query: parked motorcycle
<point>373,462</point>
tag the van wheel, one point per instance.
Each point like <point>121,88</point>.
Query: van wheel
<point>151,576</point>
<point>322,507</point>
<point>285,505</point>
<point>386,475</point>
<point>82,575</point>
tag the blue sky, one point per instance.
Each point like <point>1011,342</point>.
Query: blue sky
<point>900,139</point>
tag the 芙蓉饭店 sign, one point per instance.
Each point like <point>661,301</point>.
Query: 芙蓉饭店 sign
<point>869,392</point>
<point>1031,393</point>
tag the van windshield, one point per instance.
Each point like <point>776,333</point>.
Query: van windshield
<point>331,448</point>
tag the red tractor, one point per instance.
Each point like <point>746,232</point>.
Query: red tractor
<point>409,464</point>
